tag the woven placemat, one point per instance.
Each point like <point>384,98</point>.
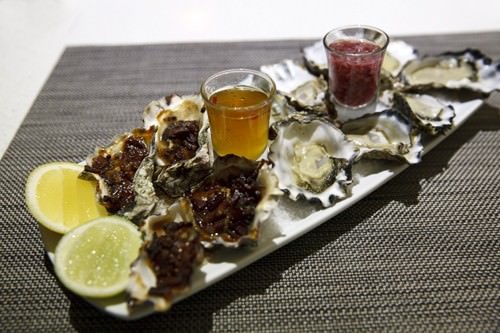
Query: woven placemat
<point>420,254</point>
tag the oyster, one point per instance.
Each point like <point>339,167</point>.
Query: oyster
<point>229,205</point>
<point>397,55</point>
<point>114,167</point>
<point>167,259</point>
<point>315,59</point>
<point>385,135</point>
<point>469,69</point>
<point>282,109</point>
<point>182,152</point>
<point>312,160</point>
<point>304,90</point>
<point>430,114</point>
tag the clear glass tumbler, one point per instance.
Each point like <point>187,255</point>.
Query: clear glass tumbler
<point>238,102</point>
<point>355,55</point>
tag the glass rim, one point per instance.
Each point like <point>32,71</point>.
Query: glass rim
<point>259,105</point>
<point>357,26</point>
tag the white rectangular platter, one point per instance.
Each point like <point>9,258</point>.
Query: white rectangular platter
<point>289,221</point>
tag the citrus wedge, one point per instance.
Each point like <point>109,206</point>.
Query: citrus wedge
<point>58,199</point>
<point>93,260</point>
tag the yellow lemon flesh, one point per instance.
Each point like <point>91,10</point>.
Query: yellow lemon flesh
<point>58,199</point>
<point>93,260</point>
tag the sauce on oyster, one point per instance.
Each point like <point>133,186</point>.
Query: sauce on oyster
<point>179,141</point>
<point>226,207</point>
<point>117,168</point>
<point>173,252</point>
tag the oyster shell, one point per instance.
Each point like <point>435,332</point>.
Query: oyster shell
<point>115,166</point>
<point>182,151</point>
<point>468,69</point>
<point>282,109</point>
<point>429,113</point>
<point>384,135</point>
<point>167,259</point>
<point>146,199</point>
<point>229,205</point>
<point>304,90</point>
<point>312,160</point>
<point>397,55</point>
<point>315,59</point>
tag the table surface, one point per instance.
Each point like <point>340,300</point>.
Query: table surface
<point>420,254</point>
<point>33,34</point>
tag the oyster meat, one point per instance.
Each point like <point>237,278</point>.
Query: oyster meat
<point>385,135</point>
<point>304,90</point>
<point>397,55</point>
<point>312,160</point>
<point>427,112</point>
<point>469,69</point>
<point>229,205</point>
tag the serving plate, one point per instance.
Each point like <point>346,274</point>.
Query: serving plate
<point>289,221</point>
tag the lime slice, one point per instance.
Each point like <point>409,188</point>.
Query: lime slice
<point>93,260</point>
<point>58,199</point>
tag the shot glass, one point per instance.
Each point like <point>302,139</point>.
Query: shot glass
<point>238,102</point>
<point>355,55</point>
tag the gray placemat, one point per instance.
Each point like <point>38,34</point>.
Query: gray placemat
<point>419,254</point>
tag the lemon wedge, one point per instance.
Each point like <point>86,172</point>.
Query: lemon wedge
<point>93,260</point>
<point>58,199</point>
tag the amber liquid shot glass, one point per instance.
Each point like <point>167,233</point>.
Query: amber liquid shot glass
<point>238,102</point>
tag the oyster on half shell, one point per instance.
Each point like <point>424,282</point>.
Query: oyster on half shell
<point>312,160</point>
<point>384,135</point>
<point>182,154</point>
<point>397,55</point>
<point>468,69</point>
<point>115,166</point>
<point>315,59</point>
<point>167,259</point>
<point>427,112</point>
<point>230,204</point>
<point>304,90</point>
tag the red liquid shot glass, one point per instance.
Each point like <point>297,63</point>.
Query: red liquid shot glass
<point>355,55</point>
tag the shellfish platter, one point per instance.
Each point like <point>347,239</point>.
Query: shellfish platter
<point>223,213</point>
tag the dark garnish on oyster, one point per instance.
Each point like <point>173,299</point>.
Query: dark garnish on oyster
<point>115,166</point>
<point>182,155</point>
<point>229,205</point>
<point>167,259</point>
<point>173,252</point>
<point>179,141</point>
